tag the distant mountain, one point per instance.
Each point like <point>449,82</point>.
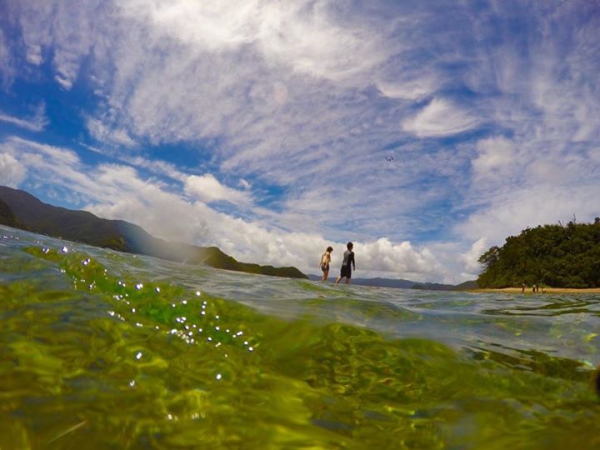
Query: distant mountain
<point>19,209</point>
<point>384,282</point>
<point>466,286</point>
<point>402,284</point>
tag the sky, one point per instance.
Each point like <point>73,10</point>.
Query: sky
<point>424,132</point>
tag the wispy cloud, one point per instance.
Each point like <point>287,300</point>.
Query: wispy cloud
<point>7,66</point>
<point>108,134</point>
<point>440,118</point>
<point>290,112</point>
<point>115,191</point>
<point>37,122</point>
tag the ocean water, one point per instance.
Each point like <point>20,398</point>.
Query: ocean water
<point>103,350</point>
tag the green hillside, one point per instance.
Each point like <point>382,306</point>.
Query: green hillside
<point>554,255</point>
<point>19,209</point>
<point>7,217</point>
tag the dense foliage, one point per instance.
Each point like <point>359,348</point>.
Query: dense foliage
<point>552,255</point>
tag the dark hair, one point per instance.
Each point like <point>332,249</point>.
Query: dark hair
<point>329,249</point>
<point>349,245</point>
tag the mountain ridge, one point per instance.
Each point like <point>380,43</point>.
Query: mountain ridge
<point>19,209</point>
<point>398,283</point>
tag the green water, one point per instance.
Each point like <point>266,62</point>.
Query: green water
<point>108,351</point>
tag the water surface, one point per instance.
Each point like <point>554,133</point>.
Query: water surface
<point>104,350</point>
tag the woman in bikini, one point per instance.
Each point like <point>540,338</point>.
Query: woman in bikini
<point>325,261</point>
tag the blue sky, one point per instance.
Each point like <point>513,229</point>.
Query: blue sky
<point>425,132</point>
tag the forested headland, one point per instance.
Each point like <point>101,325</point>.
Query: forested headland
<point>562,256</point>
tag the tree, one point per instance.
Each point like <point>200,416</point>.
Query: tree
<point>556,255</point>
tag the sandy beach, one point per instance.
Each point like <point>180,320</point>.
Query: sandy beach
<point>549,290</point>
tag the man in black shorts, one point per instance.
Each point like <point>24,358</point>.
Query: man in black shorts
<point>346,271</point>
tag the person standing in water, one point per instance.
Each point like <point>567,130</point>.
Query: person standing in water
<point>325,261</point>
<point>346,271</point>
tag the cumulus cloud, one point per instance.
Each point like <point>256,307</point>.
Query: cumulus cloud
<point>127,196</point>
<point>208,189</point>
<point>528,207</point>
<point>119,192</point>
<point>12,172</point>
<point>295,105</point>
<point>472,266</point>
<point>382,256</point>
<point>49,165</point>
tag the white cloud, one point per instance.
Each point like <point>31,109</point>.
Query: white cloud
<point>294,105</point>
<point>244,184</point>
<point>471,258</point>
<point>37,122</point>
<point>516,210</point>
<point>126,196</point>
<point>415,89</point>
<point>64,81</point>
<point>280,86</point>
<point>34,55</point>
<point>7,66</point>
<point>307,38</point>
<point>156,166</point>
<point>440,118</point>
<point>208,189</point>
<point>12,172</point>
<point>496,157</point>
<point>109,135</point>
<point>49,165</point>
<point>384,257</point>
<point>118,192</point>
<point>303,35</point>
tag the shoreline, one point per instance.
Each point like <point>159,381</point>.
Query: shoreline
<point>549,290</point>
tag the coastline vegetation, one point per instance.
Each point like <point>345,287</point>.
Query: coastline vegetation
<point>560,256</point>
